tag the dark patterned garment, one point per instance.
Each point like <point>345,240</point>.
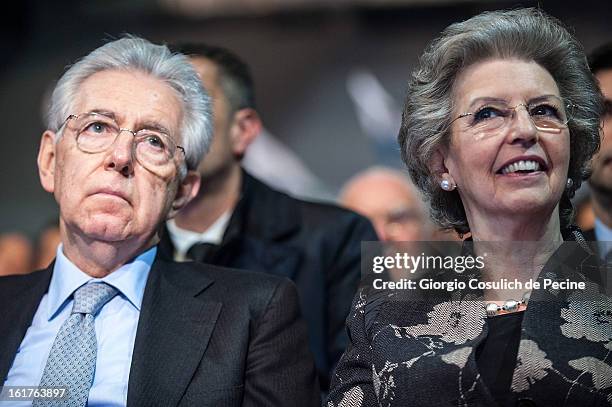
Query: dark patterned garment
<point>411,350</point>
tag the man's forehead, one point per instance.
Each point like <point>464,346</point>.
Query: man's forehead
<point>207,69</point>
<point>131,97</point>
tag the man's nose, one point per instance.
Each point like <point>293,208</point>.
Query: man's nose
<point>121,155</point>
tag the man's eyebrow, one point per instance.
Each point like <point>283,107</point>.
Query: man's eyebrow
<point>106,113</point>
<point>151,125</point>
<point>140,125</point>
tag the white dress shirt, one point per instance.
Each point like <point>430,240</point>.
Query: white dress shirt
<point>183,239</point>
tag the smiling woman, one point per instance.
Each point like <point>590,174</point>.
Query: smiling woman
<point>500,121</point>
<point>489,150</point>
<point>434,101</point>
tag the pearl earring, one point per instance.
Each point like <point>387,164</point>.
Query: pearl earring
<point>446,185</point>
<point>569,184</point>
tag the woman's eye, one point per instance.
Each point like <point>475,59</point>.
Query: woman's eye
<point>544,110</point>
<point>486,113</point>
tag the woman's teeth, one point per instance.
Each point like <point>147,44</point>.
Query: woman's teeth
<point>528,165</point>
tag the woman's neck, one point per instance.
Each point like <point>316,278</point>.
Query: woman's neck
<point>513,227</point>
<point>515,249</point>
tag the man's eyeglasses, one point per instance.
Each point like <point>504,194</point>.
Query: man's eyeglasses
<point>96,132</point>
<point>548,114</point>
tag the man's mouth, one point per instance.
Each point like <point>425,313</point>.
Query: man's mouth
<point>110,192</point>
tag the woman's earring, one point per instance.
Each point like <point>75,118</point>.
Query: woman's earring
<point>569,184</point>
<point>447,184</point>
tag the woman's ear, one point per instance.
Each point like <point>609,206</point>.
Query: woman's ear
<point>437,163</point>
<point>46,161</point>
<point>440,171</point>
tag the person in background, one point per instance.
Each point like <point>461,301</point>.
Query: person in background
<point>600,182</point>
<point>16,254</point>
<point>500,121</point>
<point>48,240</point>
<point>585,218</point>
<point>239,221</point>
<point>389,199</point>
<point>109,321</point>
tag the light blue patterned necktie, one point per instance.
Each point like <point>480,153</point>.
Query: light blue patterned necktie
<point>72,360</point>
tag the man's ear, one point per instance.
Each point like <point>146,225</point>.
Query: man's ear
<point>46,161</point>
<point>186,191</point>
<point>246,126</point>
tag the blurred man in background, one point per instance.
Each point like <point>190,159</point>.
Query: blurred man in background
<point>16,254</point>
<point>48,240</point>
<point>601,177</point>
<point>391,202</point>
<point>238,221</point>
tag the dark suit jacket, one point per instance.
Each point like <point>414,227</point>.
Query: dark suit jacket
<point>589,235</point>
<point>206,336</point>
<point>316,245</point>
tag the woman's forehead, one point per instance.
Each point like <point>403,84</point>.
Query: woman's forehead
<point>504,79</point>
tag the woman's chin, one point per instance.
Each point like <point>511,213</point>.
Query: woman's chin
<point>525,195</point>
<point>522,204</point>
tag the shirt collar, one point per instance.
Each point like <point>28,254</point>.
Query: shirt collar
<point>129,279</point>
<point>183,239</point>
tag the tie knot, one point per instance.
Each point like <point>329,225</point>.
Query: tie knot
<point>202,252</point>
<point>89,298</point>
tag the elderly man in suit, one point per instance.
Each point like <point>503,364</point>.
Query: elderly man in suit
<point>108,321</point>
<point>239,221</point>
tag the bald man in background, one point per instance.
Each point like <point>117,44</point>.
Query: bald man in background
<point>391,202</point>
<point>15,254</point>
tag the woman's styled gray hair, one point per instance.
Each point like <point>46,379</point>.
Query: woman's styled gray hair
<point>526,34</point>
<point>136,54</point>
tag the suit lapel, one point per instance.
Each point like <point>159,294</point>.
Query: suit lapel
<point>256,255</point>
<point>19,300</point>
<point>175,325</point>
<point>257,206</point>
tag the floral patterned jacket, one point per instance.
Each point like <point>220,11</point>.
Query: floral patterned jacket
<point>422,352</point>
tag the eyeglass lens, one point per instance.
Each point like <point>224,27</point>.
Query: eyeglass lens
<point>97,132</point>
<point>547,114</point>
